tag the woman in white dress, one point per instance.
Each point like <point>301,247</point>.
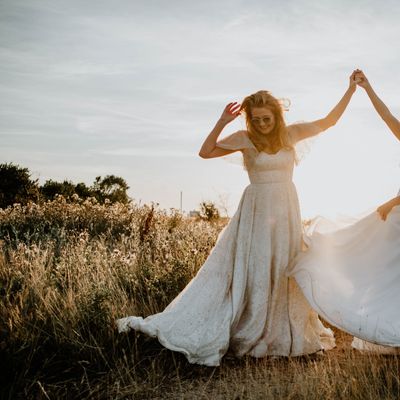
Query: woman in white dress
<point>241,298</point>
<point>351,276</point>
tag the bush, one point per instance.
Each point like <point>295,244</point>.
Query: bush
<point>209,211</point>
<point>16,185</point>
<point>110,188</point>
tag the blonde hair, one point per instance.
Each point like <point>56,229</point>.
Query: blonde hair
<point>278,138</point>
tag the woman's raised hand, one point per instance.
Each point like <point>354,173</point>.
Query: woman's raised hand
<point>353,80</point>
<point>387,207</point>
<point>361,79</point>
<point>231,111</point>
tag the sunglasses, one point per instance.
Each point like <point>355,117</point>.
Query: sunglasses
<point>265,120</point>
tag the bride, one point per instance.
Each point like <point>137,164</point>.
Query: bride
<point>241,298</point>
<point>351,276</point>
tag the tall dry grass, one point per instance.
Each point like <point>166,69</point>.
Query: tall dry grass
<point>68,271</point>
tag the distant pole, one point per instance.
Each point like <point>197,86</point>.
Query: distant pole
<point>181,200</point>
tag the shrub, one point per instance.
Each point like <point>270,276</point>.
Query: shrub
<point>209,211</point>
<point>16,185</point>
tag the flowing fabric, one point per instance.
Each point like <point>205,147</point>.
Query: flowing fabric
<point>351,277</point>
<point>241,298</point>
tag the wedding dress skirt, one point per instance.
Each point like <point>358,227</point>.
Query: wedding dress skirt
<point>241,298</point>
<point>351,277</point>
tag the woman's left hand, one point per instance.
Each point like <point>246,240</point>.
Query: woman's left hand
<point>385,209</point>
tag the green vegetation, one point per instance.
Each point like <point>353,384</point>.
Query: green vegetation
<point>17,186</point>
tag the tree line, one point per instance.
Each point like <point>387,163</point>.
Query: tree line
<point>18,186</point>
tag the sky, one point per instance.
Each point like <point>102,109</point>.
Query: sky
<point>132,88</point>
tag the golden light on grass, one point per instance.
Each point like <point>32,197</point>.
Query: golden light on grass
<point>68,271</point>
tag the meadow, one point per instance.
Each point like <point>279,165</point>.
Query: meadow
<point>69,270</point>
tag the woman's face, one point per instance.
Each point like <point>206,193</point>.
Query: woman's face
<point>262,119</point>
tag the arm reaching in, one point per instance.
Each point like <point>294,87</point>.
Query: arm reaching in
<point>385,208</point>
<point>209,149</point>
<point>381,108</point>
<point>305,130</point>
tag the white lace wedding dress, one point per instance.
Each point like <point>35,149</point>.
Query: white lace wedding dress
<point>241,299</point>
<point>351,277</point>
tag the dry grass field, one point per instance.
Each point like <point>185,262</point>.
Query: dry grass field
<point>68,271</point>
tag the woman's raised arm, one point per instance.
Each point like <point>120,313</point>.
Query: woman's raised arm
<point>305,130</point>
<point>392,122</point>
<point>209,149</point>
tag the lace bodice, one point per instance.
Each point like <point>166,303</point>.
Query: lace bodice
<point>270,168</point>
<point>261,167</point>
